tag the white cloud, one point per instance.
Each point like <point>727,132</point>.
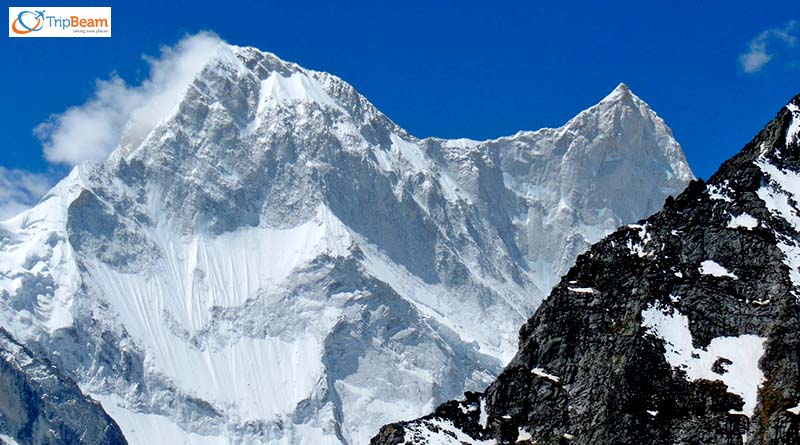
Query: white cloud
<point>115,112</point>
<point>19,190</point>
<point>775,42</point>
<point>119,111</point>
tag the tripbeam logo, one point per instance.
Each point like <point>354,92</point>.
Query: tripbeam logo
<point>59,22</point>
<point>34,18</point>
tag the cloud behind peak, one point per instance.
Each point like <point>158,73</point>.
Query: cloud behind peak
<point>91,131</point>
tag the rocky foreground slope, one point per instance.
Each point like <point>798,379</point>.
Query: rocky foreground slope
<point>683,328</point>
<point>275,261</point>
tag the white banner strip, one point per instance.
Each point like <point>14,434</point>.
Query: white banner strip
<point>43,21</point>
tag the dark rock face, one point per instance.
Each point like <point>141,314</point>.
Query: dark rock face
<point>684,328</point>
<point>38,405</point>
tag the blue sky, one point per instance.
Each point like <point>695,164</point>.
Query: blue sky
<point>449,68</point>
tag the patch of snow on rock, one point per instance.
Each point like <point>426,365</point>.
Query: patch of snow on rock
<point>719,192</point>
<point>743,221</point>
<point>711,267</point>
<point>581,290</point>
<point>742,376</point>
<point>484,418</point>
<point>783,187</point>
<point>541,373</point>
<point>441,432</point>
<point>793,133</point>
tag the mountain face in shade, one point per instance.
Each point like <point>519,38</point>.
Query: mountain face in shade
<point>278,262</point>
<point>38,405</point>
<point>682,328</point>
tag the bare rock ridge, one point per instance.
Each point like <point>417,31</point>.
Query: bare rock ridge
<point>682,328</point>
<point>273,260</point>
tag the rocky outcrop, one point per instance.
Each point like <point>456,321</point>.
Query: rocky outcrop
<point>38,405</point>
<point>683,328</point>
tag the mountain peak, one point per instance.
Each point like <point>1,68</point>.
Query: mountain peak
<point>621,128</point>
<point>622,97</point>
<point>266,209</point>
<point>621,92</point>
<point>690,359</point>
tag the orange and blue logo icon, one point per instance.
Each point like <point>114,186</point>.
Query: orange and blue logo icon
<point>28,21</point>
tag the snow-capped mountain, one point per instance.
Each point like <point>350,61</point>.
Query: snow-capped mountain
<point>278,262</point>
<point>682,328</point>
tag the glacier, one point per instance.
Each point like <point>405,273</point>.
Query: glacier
<point>276,261</point>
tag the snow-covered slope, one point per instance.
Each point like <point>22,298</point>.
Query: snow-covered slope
<point>276,261</point>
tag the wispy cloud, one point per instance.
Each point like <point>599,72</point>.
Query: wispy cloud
<point>20,189</point>
<point>770,44</point>
<point>91,131</point>
<point>115,112</point>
